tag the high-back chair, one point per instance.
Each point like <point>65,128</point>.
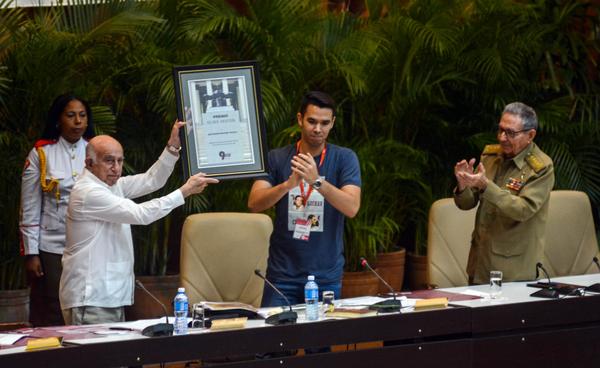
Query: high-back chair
<point>571,242</point>
<point>448,243</point>
<point>219,253</point>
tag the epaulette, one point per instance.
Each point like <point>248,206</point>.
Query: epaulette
<point>492,149</point>
<point>536,164</point>
<point>44,142</point>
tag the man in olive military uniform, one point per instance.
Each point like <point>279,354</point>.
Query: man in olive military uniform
<point>512,185</point>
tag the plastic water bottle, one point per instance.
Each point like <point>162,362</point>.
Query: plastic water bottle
<point>311,297</point>
<point>180,305</point>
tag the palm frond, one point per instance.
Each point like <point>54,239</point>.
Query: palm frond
<point>104,120</point>
<point>576,168</point>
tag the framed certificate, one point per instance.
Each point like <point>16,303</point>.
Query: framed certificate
<point>225,134</point>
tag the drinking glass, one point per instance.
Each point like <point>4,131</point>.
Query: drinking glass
<point>328,297</point>
<point>495,284</point>
<point>198,316</point>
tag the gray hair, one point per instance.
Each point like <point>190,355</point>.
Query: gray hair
<point>90,152</point>
<point>525,113</point>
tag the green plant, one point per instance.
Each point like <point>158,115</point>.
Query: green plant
<point>45,53</point>
<point>391,193</point>
<point>11,263</point>
<point>430,75</point>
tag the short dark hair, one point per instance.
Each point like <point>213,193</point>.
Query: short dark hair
<point>51,130</point>
<point>317,98</point>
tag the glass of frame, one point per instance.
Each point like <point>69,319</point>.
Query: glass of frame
<point>225,134</point>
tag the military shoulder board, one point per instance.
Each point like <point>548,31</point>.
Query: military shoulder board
<point>492,149</point>
<point>536,164</point>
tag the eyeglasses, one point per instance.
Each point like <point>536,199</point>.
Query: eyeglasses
<point>510,134</point>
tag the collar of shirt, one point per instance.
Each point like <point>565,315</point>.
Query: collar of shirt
<point>519,159</point>
<point>69,146</point>
<point>88,174</point>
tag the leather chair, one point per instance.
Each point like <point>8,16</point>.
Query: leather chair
<point>219,253</point>
<point>448,243</point>
<point>570,239</point>
<point>570,235</point>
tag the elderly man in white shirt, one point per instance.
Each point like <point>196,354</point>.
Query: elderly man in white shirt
<point>97,279</point>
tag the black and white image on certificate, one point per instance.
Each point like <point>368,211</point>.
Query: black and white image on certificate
<point>220,121</point>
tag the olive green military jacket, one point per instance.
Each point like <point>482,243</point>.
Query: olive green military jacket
<point>511,219</point>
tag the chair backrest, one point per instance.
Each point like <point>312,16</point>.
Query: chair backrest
<point>219,253</point>
<point>448,243</point>
<point>570,246</point>
<point>570,235</point>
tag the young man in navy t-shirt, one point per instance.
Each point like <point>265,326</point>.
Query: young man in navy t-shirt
<point>308,236</point>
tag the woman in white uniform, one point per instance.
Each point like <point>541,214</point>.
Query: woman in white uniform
<point>51,169</point>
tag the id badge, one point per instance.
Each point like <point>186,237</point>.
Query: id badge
<point>313,211</point>
<point>302,229</point>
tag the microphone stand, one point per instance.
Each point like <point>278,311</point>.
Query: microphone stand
<point>159,329</point>
<point>384,306</point>
<point>550,292</point>
<point>595,288</point>
<point>285,317</point>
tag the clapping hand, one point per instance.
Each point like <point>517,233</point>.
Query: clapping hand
<point>468,177</point>
<point>461,167</point>
<point>305,166</point>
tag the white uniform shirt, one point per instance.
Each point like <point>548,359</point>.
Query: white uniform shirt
<point>98,257</point>
<point>42,223</point>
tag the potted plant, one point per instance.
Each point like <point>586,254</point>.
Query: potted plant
<point>390,184</point>
<point>152,252</point>
<point>410,197</point>
<point>14,294</point>
<point>362,234</point>
<point>417,271</point>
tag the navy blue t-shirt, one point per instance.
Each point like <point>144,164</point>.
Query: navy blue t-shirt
<point>291,260</point>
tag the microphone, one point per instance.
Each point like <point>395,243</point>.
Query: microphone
<point>159,329</point>
<point>550,292</point>
<point>384,306</point>
<point>285,317</point>
<point>594,287</point>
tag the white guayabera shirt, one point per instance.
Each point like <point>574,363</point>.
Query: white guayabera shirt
<point>98,257</point>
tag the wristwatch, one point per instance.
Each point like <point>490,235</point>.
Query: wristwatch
<point>317,184</point>
<point>174,150</point>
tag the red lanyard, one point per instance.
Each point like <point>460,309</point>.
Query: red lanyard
<point>305,198</point>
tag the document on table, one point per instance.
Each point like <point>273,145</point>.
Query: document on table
<point>114,332</point>
<point>476,293</point>
<point>366,301</point>
<point>9,339</point>
<point>141,324</point>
